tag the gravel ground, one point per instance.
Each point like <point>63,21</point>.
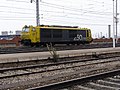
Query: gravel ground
<point>7,73</point>
<point>66,73</point>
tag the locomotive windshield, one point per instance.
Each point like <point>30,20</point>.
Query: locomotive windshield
<point>25,30</point>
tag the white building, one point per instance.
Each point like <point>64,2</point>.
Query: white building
<point>18,32</point>
<point>4,32</point>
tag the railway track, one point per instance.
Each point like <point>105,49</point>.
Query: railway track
<point>103,81</point>
<point>57,47</point>
<point>33,69</point>
<point>83,58</point>
<point>10,76</point>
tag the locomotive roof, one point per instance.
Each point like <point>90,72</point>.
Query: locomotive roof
<point>58,27</point>
<point>63,28</point>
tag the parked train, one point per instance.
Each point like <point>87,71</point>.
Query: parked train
<point>45,34</point>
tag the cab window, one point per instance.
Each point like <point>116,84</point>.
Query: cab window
<point>87,33</point>
<point>25,30</point>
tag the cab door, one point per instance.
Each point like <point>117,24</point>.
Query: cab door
<point>33,35</point>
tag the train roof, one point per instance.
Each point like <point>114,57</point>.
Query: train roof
<point>65,28</point>
<point>58,27</point>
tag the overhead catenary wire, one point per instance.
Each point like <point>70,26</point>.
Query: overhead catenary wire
<point>16,12</point>
<point>64,7</point>
<point>93,24</point>
<point>57,5</point>
<point>100,2</point>
<point>73,17</point>
<point>57,16</point>
<point>45,11</point>
<point>61,16</point>
<point>76,14</point>
<point>18,19</point>
<point>17,8</point>
<point>95,1</point>
<point>60,6</point>
<point>19,1</point>
<point>74,9</point>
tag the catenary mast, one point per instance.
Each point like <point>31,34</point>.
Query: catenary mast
<point>116,20</point>
<point>37,12</point>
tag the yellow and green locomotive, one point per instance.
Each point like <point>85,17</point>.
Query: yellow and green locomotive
<point>45,34</point>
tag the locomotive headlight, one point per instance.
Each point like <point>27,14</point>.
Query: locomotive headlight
<point>33,29</point>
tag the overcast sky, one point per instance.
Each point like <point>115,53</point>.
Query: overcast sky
<point>93,14</point>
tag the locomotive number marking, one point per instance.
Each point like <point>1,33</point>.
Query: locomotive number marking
<point>78,37</point>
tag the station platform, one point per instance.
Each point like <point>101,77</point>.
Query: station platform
<point>17,57</point>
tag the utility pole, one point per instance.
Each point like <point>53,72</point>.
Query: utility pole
<point>37,12</point>
<point>113,27</point>
<point>116,20</point>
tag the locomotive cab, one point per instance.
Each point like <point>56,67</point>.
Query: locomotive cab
<point>25,36</point>
<point>29,36</point>
<point>89,36</point>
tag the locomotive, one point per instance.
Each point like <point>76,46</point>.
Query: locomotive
<point>46,34</point>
